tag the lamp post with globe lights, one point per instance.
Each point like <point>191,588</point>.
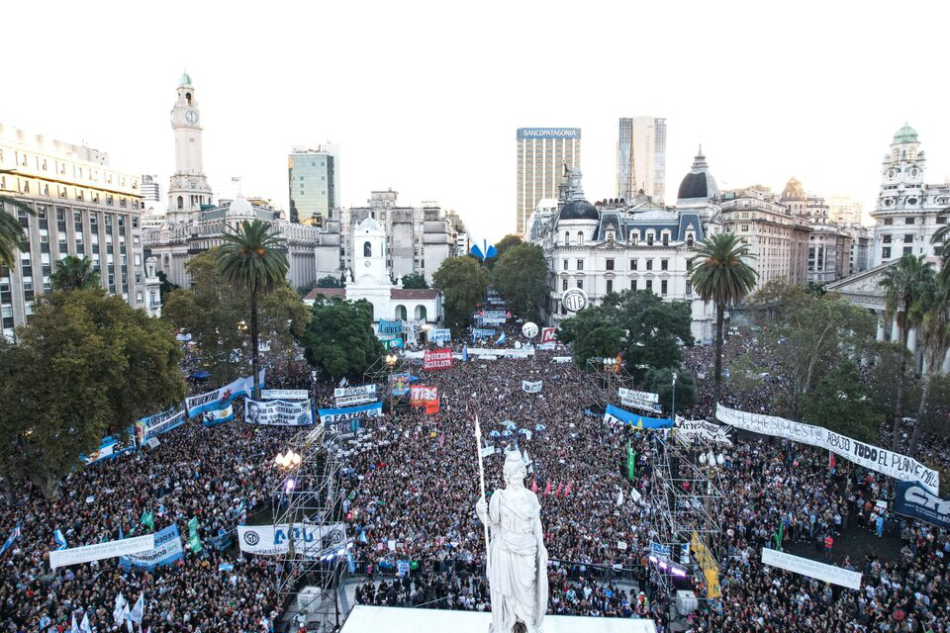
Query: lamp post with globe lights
<point>288,463</point>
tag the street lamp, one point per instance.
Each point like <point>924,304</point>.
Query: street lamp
<point>287,463</point>
<point>673,411</point>
<point>390,360</point>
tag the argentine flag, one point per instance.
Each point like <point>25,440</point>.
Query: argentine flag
<point>501,339</point>
<point>60,539</point>
<point>14,535</point>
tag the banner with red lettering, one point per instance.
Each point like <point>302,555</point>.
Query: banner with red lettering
<point>437,359</point>
<point>421,395</point>
<point>547,335</point>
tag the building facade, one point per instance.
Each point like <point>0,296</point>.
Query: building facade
<point>846,211</point>
<point>188,188</point>
<point>543,154</point>
<point>314,183</point>
<point>83,207</point>
<point>419,239</point>
<point>641,158</point>
<point>908,211</point>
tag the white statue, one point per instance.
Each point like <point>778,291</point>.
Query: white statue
<point>517,558</point>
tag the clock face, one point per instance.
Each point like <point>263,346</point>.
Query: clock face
<point>191,116</point>
<point>367,263</point>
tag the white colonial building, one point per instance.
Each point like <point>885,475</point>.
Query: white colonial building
<point>191,223</point>
<point>621,245</point>
<point>371,279</point>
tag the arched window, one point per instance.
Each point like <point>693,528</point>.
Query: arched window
<point>188,97</point>
<point>580,238</point>
<point>421,313</point>
<point>181,202</point>
<point>367,249</point>
<point>567,238</point>
<point>401,313</point>
<point>689,239</point>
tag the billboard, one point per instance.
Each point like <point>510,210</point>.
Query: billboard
<point>530,133</point>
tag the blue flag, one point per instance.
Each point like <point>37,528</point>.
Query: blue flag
<point>14,535</point>
<point>465,353</point>
<point>60,539</point>
<point>501,339</point>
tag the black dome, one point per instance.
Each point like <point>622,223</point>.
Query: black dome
<point>579,210</point>
<point>693,186</point>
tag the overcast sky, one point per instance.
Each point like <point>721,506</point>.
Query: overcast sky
<point>426,97</point>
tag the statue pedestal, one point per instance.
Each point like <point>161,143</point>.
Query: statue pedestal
<point>364,619</point>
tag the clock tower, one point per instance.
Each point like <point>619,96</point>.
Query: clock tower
<point>188,187</point>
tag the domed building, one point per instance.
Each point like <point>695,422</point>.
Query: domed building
<point>698,192</point>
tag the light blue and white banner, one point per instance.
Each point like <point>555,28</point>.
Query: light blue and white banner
<point>285,394</point>
<point>440,335</point>
<point>159,423</point>
<point>278,413</point>
<point>168,549</point>
<point>335,416</point>
<point>616,414</point>
<point>219,416</point>
<point>482,332</point>
<point>309,540</point>
<point>389,327</point>
<point>221,397</point>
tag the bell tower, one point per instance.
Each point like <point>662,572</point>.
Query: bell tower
<point>188,187</point>
<point>369,254</point>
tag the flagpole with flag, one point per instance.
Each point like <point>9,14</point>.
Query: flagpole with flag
<point>631,462</point>
<point>481,479</point>
<point>14,535</point>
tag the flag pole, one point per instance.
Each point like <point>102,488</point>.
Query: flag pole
<point>481,477</point>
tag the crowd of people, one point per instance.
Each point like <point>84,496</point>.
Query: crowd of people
<point>410,483</point>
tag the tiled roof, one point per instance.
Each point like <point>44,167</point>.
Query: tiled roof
<point>404,293</point>
<point>327,292</point>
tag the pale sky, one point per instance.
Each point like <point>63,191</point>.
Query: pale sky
<point>425,97</point>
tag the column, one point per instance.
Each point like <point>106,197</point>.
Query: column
<point>946,364</point>
<point>895,331</point>
<point>912,341</point>
<point>880,326</point>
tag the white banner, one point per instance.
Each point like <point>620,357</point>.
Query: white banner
<point>348,396</point>
<point>273,540</point>
<point>524,352</point>
<point>285,394</point>
<point>812,569</point>
<point>440,335</point>
<point>877,459</point>
<point>531,387</point>
<point>223,395</point>
<point>645,396</point>
<point>278,413</point>
<point>100,551</point>
<point>159,423</point>
<point>702,430</point>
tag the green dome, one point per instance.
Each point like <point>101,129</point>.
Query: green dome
<point>185,79</point>
<point>906,134</point>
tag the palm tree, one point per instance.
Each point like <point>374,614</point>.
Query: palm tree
<point>11,233</point>
<point>935,304</point>
<point>904,284</point>
<point>720,274</point>
<point>75,273</point>
<point>943,237</point>
<point>253,260</point>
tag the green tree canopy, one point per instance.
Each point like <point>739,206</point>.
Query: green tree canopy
<point>841,402</point>
<point>504,244</point>
<point>74,273</point>
<point>463,282</point>
<point>329,282</point>
<point>339,338</point>
<point>520,275</point>
<point>415,281</point>
<point>84,366</point>
<point>660,382</point>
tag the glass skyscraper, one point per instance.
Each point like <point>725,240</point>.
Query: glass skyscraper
<point>641,158</point>
<point>313,178</point>
<point>543,154</point>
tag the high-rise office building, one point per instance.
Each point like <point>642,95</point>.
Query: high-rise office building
<point>543,154</point>
<point>150,188</point>
<point>313,176</point>
<point>641,158</point>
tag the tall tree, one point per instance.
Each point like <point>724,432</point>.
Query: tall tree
<point>85,364</point>
<point>463,282</point>
<point>904,284</point>
<point>720,274</point>
<point>935,324</point>
<point>595,333</point>
<point>520,275</point>
<point>253,259</point>
<point>339,338</point>
<point>329,282</point>
<point>840,401</point>
<point>11,233</point>
<point>75,273</point>
<point>415,281</point>
<point>942,237</point>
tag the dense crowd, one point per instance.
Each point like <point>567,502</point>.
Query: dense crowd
<point>410,485</point>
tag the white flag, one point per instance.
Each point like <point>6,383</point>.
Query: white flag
<point>75,627</point>
<point>139,609</point>
<point>85,627</point>
<point>121,607</point>
<point>620,498</point>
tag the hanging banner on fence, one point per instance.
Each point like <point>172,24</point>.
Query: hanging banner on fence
<point>914,500</point>
<point>399,384</point>
<point>101,551</point>
<point>548,335</point>
<point>219,416</point>
<point>440,335</point>
<point>437,359</point>
<point>708,564</point>
<point>110,446</point>
<point>349,396</point>
<point>167,550</point>
<point>309,539</point>
<point>481,332</point>
<point>278,413</point>
<point>390,327</point>
<point>334,416</point>
<point>881,460</point>
<point>640,399</point>
<point>616,414</point>
<point>222,396</point>
<point>510,352</point>
<point>285,394</point>
<point>703,430</point>
<point>812,569</point>
<point>157,424</point>
<point>531,387</point>
<point>419,395</point>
